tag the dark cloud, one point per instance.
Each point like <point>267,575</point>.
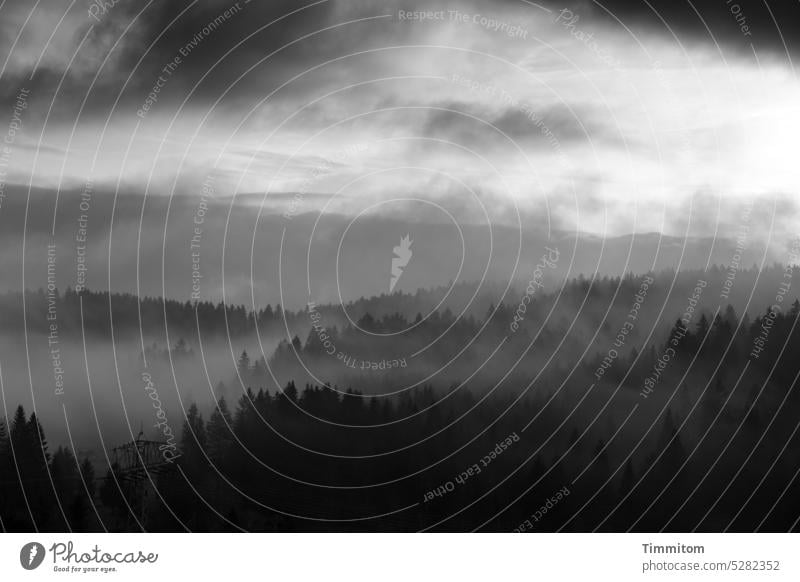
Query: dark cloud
<point>140,40</point>
<point>734,24</point>
<point>83,65</point>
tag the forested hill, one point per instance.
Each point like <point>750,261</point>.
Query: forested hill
<point>752,292</point>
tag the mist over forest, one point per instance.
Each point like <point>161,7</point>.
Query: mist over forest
<point>453,265</point>
<point>561,375</point>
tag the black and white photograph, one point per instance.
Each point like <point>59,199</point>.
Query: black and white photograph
<point>370,268</point>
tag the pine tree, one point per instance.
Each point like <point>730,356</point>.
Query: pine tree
<point>36,434</point>
<point>18,428</point>
<point>64,472</point>
<point>5,472</point>
<point>17,450</point>
<point>730,316</point>
<point>4,452</point>
<point>36,477</point>
<point>112,494</point>
<point>87,472</point>
<point>193,442</point>
<point>702,328</point>
<point>290,392</point>
<point>79,509</point>
<point>627,481</point>
<point>243,366</point>
<point>220,437</point>
<point>258,374</point>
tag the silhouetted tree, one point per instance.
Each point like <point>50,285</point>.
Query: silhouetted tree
<point>219,433</point>
<point>193,443</point>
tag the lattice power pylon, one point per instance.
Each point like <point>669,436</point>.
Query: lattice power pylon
<point>137,459</point>
<point>137,465</point>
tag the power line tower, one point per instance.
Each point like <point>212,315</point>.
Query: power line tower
<point>137,464</point>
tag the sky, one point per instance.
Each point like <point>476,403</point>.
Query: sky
<point>277,151</point>
<point>600,118</point>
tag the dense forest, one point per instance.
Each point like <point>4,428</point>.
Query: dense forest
<point>690,424</point>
